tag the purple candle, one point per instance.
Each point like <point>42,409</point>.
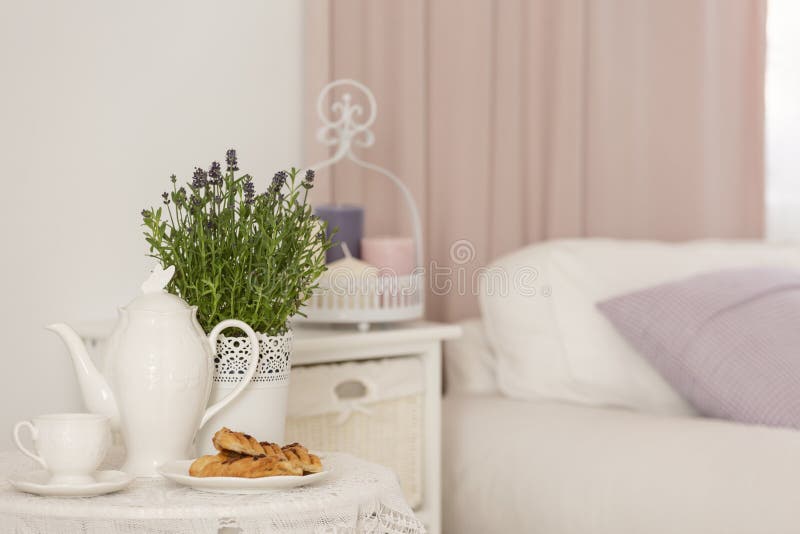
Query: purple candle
<point>350,221</point>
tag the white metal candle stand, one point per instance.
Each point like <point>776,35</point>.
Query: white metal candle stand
<point>375,299</point>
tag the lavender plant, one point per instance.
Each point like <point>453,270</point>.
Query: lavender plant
<point>239,254</point>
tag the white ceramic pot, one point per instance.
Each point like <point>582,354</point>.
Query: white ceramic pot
<point>260,410</point>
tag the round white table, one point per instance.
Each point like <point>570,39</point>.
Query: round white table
<point>358,497</point>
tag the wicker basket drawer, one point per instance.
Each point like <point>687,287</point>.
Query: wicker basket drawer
<point>373,409</point>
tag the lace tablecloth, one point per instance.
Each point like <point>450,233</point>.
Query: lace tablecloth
<point>358,497</point>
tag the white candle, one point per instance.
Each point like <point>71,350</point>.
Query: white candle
<point>348,280</point>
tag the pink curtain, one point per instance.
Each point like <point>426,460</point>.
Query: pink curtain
<point>514,121</point>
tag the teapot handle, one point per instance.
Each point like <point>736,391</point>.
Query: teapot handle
<point>211,411</point>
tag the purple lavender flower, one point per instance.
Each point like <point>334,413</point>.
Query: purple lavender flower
<point>165,196</point>
<point>230,159</point>
<point>249,192</point>
<point>199,178</point>
<point>308,180</point>
<point>215,173</point>
<point>278,181</point>
<point>145,213</point>
<point>173,178</point>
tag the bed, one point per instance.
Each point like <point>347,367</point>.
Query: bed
<point>557,468</point>
<point>552,424</point>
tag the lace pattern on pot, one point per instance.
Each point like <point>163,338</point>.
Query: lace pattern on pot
<point>274,358</point>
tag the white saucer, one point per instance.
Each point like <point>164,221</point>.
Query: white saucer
<point>178,471</point>
<point>37,482</point>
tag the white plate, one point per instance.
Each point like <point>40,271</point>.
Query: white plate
<point>178,471</point>
<point>37,482</point>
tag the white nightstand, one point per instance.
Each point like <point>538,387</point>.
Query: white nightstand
<point>332,344</point>
<point>314,345</point>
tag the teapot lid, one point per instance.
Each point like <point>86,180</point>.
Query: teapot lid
<point>154,297</point>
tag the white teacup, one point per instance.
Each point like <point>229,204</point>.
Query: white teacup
<point>70,445</point>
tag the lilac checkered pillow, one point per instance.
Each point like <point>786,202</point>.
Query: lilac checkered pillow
<point>728,341</point>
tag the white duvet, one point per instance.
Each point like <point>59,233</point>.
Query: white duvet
<point>555,468</point>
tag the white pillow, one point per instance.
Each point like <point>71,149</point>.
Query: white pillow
<point>555,344</point>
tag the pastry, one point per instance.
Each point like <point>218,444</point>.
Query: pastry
<point>272,449</point>
<point>228,440</point>
<point>242,455</point>
<point>301,458</point>
<point>243,466</point>
<point>199,465</point>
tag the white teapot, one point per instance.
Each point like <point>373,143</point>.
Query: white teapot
<point>157,377</point>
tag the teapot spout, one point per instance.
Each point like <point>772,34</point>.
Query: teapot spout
<point>97,395</point>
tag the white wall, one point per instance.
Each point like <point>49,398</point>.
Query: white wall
<point>100,101</point>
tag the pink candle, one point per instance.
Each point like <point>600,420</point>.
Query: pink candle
<point>395,255</point>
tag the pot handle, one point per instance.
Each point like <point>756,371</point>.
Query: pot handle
<point>211,411</point>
